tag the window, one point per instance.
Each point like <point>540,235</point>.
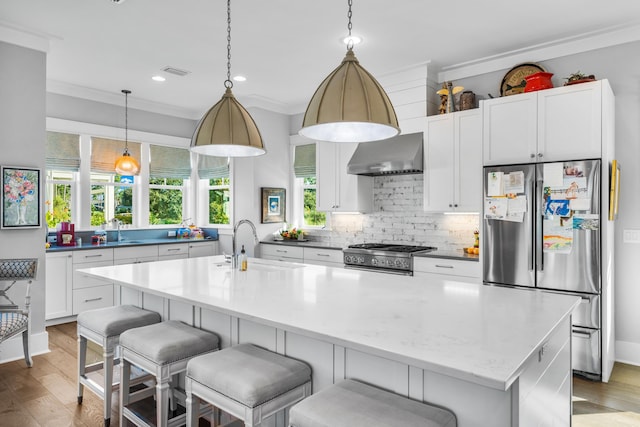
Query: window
<point>169,172</point>
<point>214,177</point>
<point>62,162</point>
<point>304,168</point>
<point>111,194</point>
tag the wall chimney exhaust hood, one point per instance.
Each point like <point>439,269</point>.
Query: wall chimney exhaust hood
<point>401,154</point>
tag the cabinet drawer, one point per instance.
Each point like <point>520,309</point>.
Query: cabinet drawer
<point>136,252</point>
<point>450,267</point>
<point>173,249</point>
<point>92,255</point>
<point>135,260</point>
<point>81,280</point>
<point>281,251</point>
<point>323,255</point>
<point>91,298</point>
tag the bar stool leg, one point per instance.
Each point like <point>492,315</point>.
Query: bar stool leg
<point>193,403</point>
<point>107,357</point>
<point>82,363</point>
<point>162,402</point>
<point>125,372</point>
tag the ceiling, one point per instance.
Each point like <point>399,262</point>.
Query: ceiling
<point>284,48</point>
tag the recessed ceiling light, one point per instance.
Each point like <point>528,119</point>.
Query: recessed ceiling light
<point>158,78</point>
<point>240,78</point>
<point>354,39</point>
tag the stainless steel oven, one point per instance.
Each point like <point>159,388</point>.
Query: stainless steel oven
<point>382,257</point>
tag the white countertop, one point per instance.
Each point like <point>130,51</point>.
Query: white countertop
<point>482,334</point>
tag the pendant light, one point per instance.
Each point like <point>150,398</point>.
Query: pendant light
<point>350,105</point>
<point>227,129</point>
<point>125,164</point>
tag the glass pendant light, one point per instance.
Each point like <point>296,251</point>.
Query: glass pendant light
<point>350,105</point>
<point>227,129</point>
<point>125,164</point>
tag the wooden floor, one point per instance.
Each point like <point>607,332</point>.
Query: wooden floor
<point>45,395</point>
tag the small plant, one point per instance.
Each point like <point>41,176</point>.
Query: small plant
<point>579,76</point>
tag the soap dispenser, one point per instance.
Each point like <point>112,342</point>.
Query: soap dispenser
<point>243,259</point>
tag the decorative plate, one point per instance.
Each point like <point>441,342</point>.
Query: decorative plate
<point>514,82</point>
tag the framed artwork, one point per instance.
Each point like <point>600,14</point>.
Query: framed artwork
<point>20,197</point>
<point>274,205</point>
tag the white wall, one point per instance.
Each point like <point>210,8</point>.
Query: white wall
<point>22,130</point>
<point>621,66</point>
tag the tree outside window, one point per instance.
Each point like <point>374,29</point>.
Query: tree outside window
<point>111,197</point>
<point>311,216</point>
<point>59,194</point>
<point>219,201</point>
<point>165,200</point>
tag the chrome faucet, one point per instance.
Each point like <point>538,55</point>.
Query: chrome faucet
<point>234,255</point>
<point>118,223</point>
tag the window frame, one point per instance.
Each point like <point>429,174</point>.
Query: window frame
<point>298,187</point>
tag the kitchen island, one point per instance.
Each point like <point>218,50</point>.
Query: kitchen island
<point>494,356</point>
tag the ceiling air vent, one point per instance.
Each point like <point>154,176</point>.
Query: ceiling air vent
<point>176,71</point>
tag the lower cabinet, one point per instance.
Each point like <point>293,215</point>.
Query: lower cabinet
<point>173,251</point>
<point>89,292</point>
<point>464,270</point>
<point>58,283</point>
<point>308,255</point>
<point>282,253</point>
<point>198,249</point>
<point>322,256</point>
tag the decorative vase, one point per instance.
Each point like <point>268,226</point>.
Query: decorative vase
<point>538,81</point>
<point>22,212</point>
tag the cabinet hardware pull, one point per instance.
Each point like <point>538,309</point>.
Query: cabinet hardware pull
<point>444,266</point>
<point>93,256</point>
<point>278,250</point>
<point>585,334</point>
<point>532,155</point>
<point>323,254</point>
<point>455,206</point>
<point>174,249</point>
<point>450,205</point>
<point>539,154</point>
<point>93,299</point>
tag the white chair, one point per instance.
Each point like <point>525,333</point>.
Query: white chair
<point>15,319</point>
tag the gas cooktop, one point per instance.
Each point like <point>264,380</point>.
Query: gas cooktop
<point>391,247</point>
<point>385,257</point>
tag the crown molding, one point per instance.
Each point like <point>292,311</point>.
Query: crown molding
<point>607,37</point>
<point>24,37</point>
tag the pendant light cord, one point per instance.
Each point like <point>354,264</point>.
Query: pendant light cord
<point>126,119</point>
<point>228,83</point>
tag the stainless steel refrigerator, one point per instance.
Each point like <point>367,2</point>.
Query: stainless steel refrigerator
<point>541,229</point>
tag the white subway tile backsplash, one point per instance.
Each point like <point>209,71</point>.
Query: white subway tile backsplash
<point>398,218</point>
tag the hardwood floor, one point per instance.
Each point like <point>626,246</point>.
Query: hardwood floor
<point>45,395</point>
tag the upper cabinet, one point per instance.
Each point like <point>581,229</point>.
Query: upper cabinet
<point>338,191</point>
<point>453,162</point>
<point>563,123</point>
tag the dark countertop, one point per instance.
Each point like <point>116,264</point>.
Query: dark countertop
<point>306,244</point>
<point>125,244</point>
<point>457,255</point>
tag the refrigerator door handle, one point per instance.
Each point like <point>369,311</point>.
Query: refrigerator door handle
<point>582,334</point>
<point>538,225</point>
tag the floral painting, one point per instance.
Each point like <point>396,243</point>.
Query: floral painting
<point>20,197</point>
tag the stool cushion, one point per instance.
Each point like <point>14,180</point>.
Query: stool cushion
<point>168,342</point>
<point>248,374</point>
<point>354,404</point>
<point>112,321</point>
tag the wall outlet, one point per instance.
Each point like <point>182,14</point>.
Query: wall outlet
<point>631,236</point>
<point>171,234</point>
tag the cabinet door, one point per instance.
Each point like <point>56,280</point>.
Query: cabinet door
<point>326,174</point>
<point>570,122</point>
<point>355,192</point>
<point>510,129</point>
<point>468,161</point>
<point>200,249</point>
<point>58,284</point>
<point>438,164</point>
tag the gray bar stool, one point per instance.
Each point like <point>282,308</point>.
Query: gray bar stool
<point>103,326</point>
<point>163,350</point>
<point>354,404</point>
<point>247,382</point>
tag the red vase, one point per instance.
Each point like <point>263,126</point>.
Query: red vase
<point>538,81</point>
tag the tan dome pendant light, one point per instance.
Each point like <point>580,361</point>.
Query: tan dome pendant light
<point>126,165</point>
<point>350,105</point>
<point>227,129</point>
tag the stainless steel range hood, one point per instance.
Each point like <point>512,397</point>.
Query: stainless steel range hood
<point>398,155</point>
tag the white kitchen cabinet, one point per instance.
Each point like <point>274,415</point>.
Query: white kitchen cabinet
<point>198,249</point>
<point>453,162</point>
<point>446,266</point>
<point>173,251</point>
<point>135,254</point>
<point>323,256</point>
<point>282,252</point>
<point>58,284</point>
<point>336,190</point>
<point>563,123</point>
<point>90,292</point>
